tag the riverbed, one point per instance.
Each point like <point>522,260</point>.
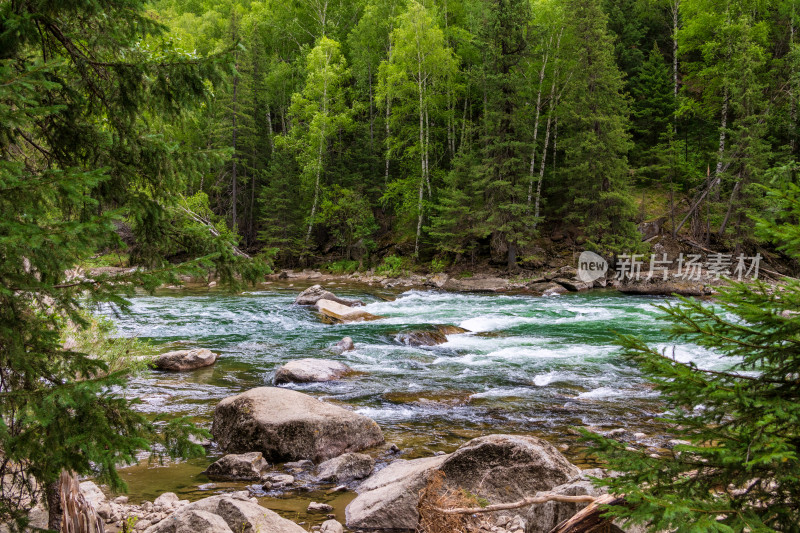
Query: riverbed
<point>532,365</point>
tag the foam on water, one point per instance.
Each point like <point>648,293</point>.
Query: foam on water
<point>524,356</point>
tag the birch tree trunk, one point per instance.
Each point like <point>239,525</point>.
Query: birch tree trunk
<point>234,221</point>
<point>536,120</point>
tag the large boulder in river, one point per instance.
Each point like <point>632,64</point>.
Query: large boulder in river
<point>239,467</point>
<point>315,293</point>
<point>506,468</point>
<point>499,468</point>
<point>343,313</point>
<point>223,514</point>
<point>310,370</point>
<point>346,468</point>
<point>181,360</point>
<point>429,337</point>
<point>287,425</point>
<point>388,499</point>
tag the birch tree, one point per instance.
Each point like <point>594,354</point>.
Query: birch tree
<point>414,77</point>
<point>320,110</point>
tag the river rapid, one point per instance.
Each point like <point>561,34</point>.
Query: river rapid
<point>533,365</point>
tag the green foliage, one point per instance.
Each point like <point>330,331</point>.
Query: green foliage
<point>392,266</point>
<point>439,265</point>
<point>342,266</point>
<point>347,215</point>
<point>738,471</point>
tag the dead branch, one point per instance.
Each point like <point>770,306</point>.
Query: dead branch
<point>540,497</point>
<point>588,520</point>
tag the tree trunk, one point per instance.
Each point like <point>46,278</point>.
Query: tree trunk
<point>421,158</point>
<point>269,125</point>
<point>723,131</point>
<point>54,509</point>
<point>730,206</point>
<point>536,120</point>
<point>371,114</point>
<point>235,131</point>
<point>590,519</point>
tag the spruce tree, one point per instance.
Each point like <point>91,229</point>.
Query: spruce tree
<point>739,469</point>
<point>79,93</point>
<point>594,120</point>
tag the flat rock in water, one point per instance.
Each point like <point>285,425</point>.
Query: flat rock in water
<point>476,284</point>
<point>574,285</point>
<point>429,337</point>
<point>310,370</point>
<point>344,313</point>
<point>500,468</point>
<point>315,293</point>
<point>345,468</point>
<point>660,287</point>
<point>181,360</point>
<point>287,425</point>
<point>239,467</point>
<point>547,288</point>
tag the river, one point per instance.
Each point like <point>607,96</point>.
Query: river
<point>529,365</point>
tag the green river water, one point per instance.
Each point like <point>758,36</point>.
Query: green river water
<point>530,365</point>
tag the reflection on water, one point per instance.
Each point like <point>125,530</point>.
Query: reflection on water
<point>530,365</point>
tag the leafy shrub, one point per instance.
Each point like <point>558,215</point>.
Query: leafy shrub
<point>438,265</point>
<point>392,266</point>
<point>342,266</point>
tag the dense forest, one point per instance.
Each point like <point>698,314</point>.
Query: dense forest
<point>451,130</point>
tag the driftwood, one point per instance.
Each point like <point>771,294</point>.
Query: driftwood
<point>588,520</point>
<point>540,497</point>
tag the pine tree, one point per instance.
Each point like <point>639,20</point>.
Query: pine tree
<point>739,470</point>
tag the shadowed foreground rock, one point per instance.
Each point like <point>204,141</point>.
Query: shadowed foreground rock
<point>226,513</point>
<point>499,468</point>
<point>310,370</point>
<point>286,425</point>
<point>182,360</point>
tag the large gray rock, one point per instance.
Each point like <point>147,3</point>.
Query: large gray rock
<point>315,293</point>
<point>343,313</point>
<point>232,512</point>
<point>286,425</point>
<point>499,468</point>
<point>239,467</point>
<point>310,370</point>
<point>198,522</point>
<point>181,360</point>
<point>388,499</point>
<point>346,468</point>
<point>506,468</point>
